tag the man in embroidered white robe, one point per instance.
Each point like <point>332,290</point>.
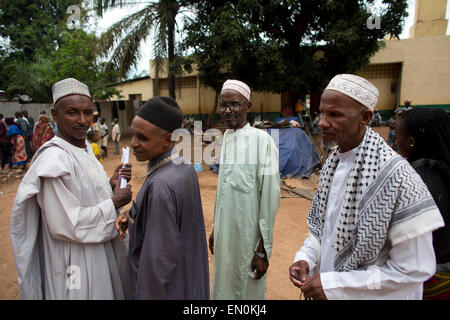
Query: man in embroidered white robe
<point>372,218</point>
<point>62,226</point>
<point>247,200</point>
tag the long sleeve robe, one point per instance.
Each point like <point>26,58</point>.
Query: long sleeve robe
<point>247,200</point>
<point>168,251</point>
<point>62,228</point>
<point>398,272</point>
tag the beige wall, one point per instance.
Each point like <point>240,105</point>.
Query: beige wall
<point>144,87</point>
<point>425,77</point>
<point>266,102</point>
<point>187,100</point>
<point>194,100</point>
<point>429,19</point>
<point>386,100</point>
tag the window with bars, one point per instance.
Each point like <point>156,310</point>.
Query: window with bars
<point>183,82</point>
<point>380,71</point>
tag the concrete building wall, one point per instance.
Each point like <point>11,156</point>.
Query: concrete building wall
<point>425,77</point>
<point>187,99</point>
<point>143,87</point>
<point>429,19</point>
<point>386,99</point>
<point>266,102</point>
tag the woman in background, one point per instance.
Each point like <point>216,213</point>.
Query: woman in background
<point>422,136</point>
<point>18,152</point>
<point>42,132</point>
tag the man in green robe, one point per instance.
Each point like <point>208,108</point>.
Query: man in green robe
<point>247,200</point>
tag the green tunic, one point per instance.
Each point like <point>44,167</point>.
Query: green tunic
<point>247,200</point>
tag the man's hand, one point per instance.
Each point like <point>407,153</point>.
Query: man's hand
<point>313,288</point>
<point>121,196</point>
<point>121,225</point>
<point>260,265</point>
<point>299,273</point>
<point>124,172</point>
<point>211,242</point>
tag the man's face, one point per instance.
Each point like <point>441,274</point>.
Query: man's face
<point>102,121</point>
<point>147,141</point>
<point>342,120</point>
<point>233,109</point>
<point>73,114</point>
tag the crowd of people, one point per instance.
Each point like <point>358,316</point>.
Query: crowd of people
<point>21,136</point>
<point>378,224</point>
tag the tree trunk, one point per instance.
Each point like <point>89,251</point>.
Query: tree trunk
<point>210,121</point>
<point>157,64</point>
<point>171,54</point>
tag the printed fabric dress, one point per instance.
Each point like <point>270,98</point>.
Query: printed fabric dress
<point>19,157</point>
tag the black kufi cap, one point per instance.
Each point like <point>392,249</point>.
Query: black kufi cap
<point>163,112</point>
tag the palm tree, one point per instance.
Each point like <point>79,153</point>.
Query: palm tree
<point>124,37</point>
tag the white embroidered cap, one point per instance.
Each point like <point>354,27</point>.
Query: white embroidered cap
<point>356,88</point>
<point>238,86</point>
<point>68,87</point>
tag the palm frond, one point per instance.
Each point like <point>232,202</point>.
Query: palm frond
<point>101,6</point>
<point>126,54</point>
<point>118,30</point>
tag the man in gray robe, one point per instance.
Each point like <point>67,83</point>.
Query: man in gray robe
<point>62,225</point>
<point>168,252</point>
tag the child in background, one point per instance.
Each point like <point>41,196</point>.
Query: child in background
<point>93,138</point>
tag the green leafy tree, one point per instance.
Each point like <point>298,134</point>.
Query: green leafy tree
<point>75,58</point>
<point>33,26</point>
<point>156,19</point>
<point>226,46</point>
<point>38,49</point>
<point>78,58</point>
<point>300,44</point>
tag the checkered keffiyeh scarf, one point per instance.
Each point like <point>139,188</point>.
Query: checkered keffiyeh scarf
<point>382,200</point>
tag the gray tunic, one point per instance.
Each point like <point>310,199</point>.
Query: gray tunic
<point>168,251</point>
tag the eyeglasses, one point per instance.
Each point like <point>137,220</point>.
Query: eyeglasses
<point>233,105</point>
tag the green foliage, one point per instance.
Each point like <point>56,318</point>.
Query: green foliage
<point>33,26</point>
<point>123,39</point>
<point>227,46</point>
<point>75,58</point>
<point>285,45</point>
<point>41,51</point>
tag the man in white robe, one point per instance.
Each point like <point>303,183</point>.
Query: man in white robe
<point>372,218</point>
<point>247,200</point>
<point>62,225</point>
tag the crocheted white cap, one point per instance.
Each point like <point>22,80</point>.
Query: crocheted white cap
<point>69,87</point>
<point>238,86</point>
<point>356,88</point>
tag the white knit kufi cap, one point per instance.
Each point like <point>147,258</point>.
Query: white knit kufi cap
<point>69,87</point>
<point>356,88</point>
<point>238,86</point>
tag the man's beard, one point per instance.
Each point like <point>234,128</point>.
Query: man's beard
<point>234,122</point>
<point>327,144</point>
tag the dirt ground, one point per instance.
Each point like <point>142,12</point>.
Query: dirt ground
<point>289,233</point>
